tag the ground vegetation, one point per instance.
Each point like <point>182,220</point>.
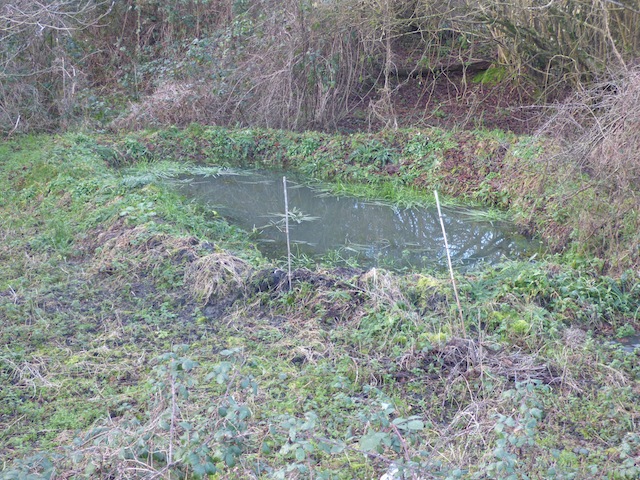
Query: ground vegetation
<point>144,337</point>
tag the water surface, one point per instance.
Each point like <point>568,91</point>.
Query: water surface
<point>373,233</point>
<point>630,344</point>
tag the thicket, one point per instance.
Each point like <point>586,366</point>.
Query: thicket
<point>42,67</point>
<point>593,179</point>
<point>295,64</point>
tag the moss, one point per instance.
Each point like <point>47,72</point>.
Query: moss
<point>491,76</point>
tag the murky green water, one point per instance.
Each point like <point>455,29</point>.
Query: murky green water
<point>375,234</point>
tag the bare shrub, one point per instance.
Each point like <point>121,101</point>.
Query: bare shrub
<point>292,65</point>
<point>39,76</point>
<point>562,42</point>
<point>300,65</point>
<point>599,130</point>
<point>298,68</point>
<point>286,63</point>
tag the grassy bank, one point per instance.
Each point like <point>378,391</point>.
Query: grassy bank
<point>569,203</point>
<point>143,337</point>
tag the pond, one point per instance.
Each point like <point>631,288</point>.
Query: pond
<point>349,229</point>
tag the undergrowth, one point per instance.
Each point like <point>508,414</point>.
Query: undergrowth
<point>144,337</point>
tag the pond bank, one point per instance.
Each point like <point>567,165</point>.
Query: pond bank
<point>529,178</point>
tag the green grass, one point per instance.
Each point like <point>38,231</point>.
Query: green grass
<point>110,359</point>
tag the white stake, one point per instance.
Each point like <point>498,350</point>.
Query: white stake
<point>446,246</point>
<point>286,228</point>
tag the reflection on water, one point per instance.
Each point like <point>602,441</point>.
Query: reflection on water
<point>377,234</point>
<point>630,344</point>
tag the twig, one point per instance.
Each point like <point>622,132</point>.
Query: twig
<point>173,420</point>
<point>403,442</point>
<point>453,280</point>
<point>286,229</point>
<point>15,127</point>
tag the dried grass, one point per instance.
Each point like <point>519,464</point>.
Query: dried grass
<point>459,373</point>
<point>600,132</point>
<point>467,358</point>
<point>216,276</point>
<point>33,374</point>
<point>173,103</point>
<point>574,338</point>
<point>382,287</point>
<point>121,244</point>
